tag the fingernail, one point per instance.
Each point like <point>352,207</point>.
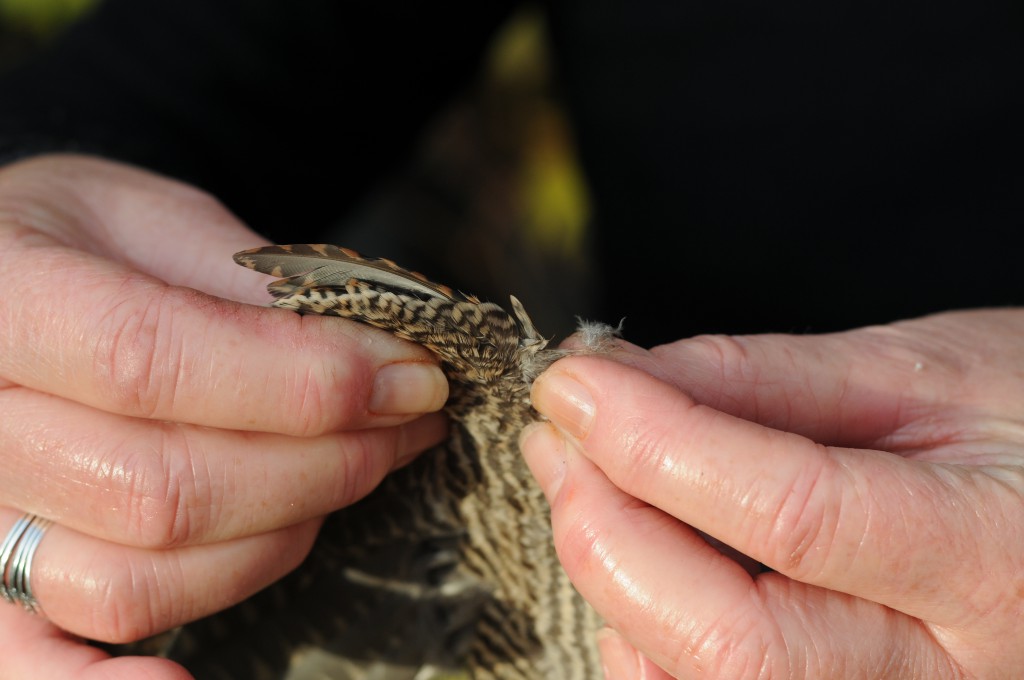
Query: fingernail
<point>618,657</point>
<point>545,454</point>
<point>407,389</point>
<point>566,401</point>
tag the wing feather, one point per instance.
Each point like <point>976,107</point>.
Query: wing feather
<point>325,266</point>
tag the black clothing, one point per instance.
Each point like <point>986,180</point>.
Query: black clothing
<point>787,166</point>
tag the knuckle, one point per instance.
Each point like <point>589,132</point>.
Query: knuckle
<point>167,497</point>
<point>584,532</point>
<point>306,392</point>
<point>729,353</point>
<point>136,362</point>
<point>648,446</point>
<point>134,599</point>
<point>652,445</point>
<point>728,361</point>
<point>734,647</point>
<point>744,639</point>
<point>333,374</point>
<point>361,467</point>
<point>324,395</point>
<point>577,545</point>
<point>805,523</point>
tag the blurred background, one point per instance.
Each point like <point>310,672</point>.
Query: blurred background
<point>25,25</point>
<point>494,202</point>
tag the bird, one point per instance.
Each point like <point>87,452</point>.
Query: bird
<point>448,569</point>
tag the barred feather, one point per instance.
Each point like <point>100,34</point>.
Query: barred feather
<point>448,567</point>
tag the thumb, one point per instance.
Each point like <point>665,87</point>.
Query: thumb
<point>840,389</point>
<point>154,224</point>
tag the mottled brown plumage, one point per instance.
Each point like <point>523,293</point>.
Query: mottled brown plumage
<point>448,568</point>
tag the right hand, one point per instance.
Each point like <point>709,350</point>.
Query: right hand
<point>185,446</point>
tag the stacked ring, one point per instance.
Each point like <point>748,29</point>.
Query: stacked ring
<point>16,554</point>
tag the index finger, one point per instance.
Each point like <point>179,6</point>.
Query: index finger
<point>866,523</point>
<point>100,333</point>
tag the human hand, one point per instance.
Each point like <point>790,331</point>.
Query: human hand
<point>184,445</point>
<point>878,473</point>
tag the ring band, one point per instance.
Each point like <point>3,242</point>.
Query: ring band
<point>16,555</point>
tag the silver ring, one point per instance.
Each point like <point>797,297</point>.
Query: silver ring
<point>16,554</point>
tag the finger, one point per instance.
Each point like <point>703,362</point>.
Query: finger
<point>866,523</point>
<point>695,612</point>
<point>165,228</point>
<point>139,347</point>
<point>32,647</point>
<point>125,343</point>
<point>622,661</point>
<point>149,484</point>
<point>112,593</point>
<point>844,389</point>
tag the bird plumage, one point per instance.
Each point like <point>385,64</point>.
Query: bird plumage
<point>447,569</point>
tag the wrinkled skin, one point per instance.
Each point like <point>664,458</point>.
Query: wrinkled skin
<point>877,473</point>
<point>186,446</point>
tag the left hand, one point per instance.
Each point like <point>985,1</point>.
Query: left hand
<point>879,473</point>
<point>185,446</point>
